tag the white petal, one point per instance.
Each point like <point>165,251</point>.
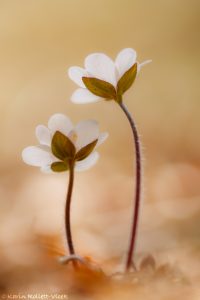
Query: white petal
<point>101,67</point>
<point>143,64</point>
<point>60,122</point>
<point>102,137</point>
<point>43,135</point>
<point>125,60</point>
<point>37,156</point>
<point>76,74</point>
<point>46,169</point>
<point>82,96</point>
<point>87,131</point>
<point>87,163</point>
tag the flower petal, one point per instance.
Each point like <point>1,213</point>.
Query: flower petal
<point>102,137</point>
<point>46,169</point>
<point>125,60</point>
<point>87,131</point>
<point>102,67</point>
<point>60,122</point>
<point>143,64</point>
<point>76,74</point>
<point>82,96</point>
<point>37,156</point>
<point>87,163</point>
<point>43,135</point>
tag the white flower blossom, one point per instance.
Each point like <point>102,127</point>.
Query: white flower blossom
<point>100,66</point>
<point>81,135</point>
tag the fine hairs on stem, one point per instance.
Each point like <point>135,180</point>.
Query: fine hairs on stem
<point>132,245</point>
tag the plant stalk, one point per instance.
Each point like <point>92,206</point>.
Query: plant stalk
<point>68,211</point>
<point>133,236</point>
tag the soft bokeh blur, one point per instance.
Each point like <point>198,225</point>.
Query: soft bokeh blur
<point>39,41</point>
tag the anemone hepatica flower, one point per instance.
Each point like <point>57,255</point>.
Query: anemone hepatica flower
<point>104,78</point>
<point>61,144</point>
<point>63,147</point>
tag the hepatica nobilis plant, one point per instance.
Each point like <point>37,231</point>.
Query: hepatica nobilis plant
<point>64,147</point>
<point>103,78</point>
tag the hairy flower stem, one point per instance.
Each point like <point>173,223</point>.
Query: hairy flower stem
<point>133,236</point>
<point>68,211</point>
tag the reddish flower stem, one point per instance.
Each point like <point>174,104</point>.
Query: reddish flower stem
<point>68,212</point>
<point>132,245</point>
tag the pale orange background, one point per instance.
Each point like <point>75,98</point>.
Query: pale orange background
<point>39,41</point>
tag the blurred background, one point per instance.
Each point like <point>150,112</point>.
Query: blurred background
<point>39,41</point>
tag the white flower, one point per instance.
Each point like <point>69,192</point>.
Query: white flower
<point>100,66</point>
<point>62,134</point>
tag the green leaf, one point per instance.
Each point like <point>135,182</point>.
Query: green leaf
<point>62,147</point>
<point>127,80</point>
<point>59,166</point>
<point>85,151</point>
<point>100,87</point>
